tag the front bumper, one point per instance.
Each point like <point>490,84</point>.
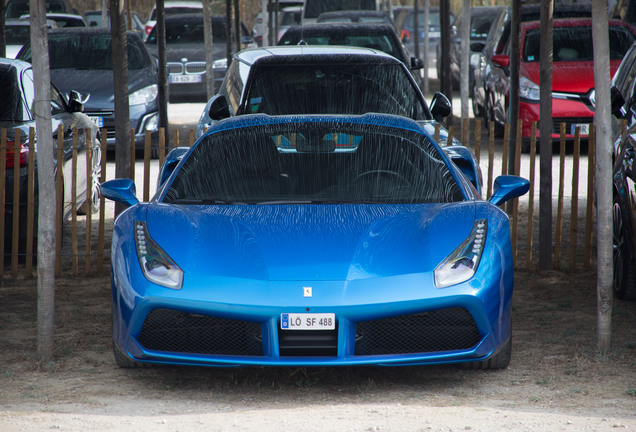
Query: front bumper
<point>571,112</point>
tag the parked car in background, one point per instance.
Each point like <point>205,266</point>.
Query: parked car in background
<point>313,8</point>
<point>376,36</point>
<point>498,38</point>
<point>17,8</point>
<point>94,19</point>
<point>624,10</point>
<point>63,20</point>
<point>81,59</point>
<point>17,32</point>
<point>185,52</point>
<point>356,16</point>
<point>481,20</point>
<point>289,16</point>
<point>624,177</point>
<point>313,241</point>
<point>173,8</point>
<point>319,80</point>
<point>573,97</point>
<point>17,95</point>
<point>287,13</point>
<point>407,32</point>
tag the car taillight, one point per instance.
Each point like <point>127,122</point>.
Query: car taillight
<point>148,29</point>
<point>24,155</point>
<point>405,34</point>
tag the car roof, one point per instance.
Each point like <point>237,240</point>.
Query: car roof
<point>18,64</point>
<point>313,54</point>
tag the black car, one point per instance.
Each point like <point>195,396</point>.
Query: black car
<point>81,59</point>
<point>17,8</point>
<point>624,214</point>
<point>382,37</point>
<point>185,54</point>
<point>356,16</point>
<point>17,96</point>
<point>481,20</point>
<point>497,41</point>
<point>319,80</point>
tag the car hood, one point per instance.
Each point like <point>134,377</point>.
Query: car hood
<point>567,77</point>
<point>96,86</point>
<point>310,242</point>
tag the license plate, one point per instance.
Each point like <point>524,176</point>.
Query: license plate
<point>307,321</point>
<point>99,121</point>
<point>584,129</point>
<point>184,79</point>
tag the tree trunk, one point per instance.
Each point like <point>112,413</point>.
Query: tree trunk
<point>46,182</point>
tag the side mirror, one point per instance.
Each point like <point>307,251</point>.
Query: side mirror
<point>441,107</point>
<point>120,190</point>
<point>75,102</point>
<point>477,46</point>
<point>507,187</point>
<point>219,108</point>
<point>172,160</point>
<point>618,101</point>
<point>417,63</point>
<point>501,60</point>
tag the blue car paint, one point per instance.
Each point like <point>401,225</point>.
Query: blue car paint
<point>348,283</point>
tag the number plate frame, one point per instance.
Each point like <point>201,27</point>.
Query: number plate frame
<point>307,321</point>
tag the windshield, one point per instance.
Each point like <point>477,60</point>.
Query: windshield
<point>189,31</point>
<point>313,8</point>
<point>334,89</point>
<point>319,162</point>
<point>90,51</point>
<point>380,42</point>
<point>575,43</point>
<point>17,34</point>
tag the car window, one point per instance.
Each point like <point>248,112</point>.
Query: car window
<point>314,163</point>
<point>333,89</point>
<point>382,43</point>
<point>189,31</point>
<point>89,51</point>
<point>233,84</point>
<point>11,108</point>
<point>313,8</point>
<point>17,34</point>
<point>575,43</point>
<point>28,93</point>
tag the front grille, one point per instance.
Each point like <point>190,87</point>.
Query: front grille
<point>569,122</point>
<point>442,330</point>
<point>195,68</point>
<point>174,68</point>
<point>308,343</point>
<point>170,330</point>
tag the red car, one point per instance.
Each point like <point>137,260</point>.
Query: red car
<point>573,96</point>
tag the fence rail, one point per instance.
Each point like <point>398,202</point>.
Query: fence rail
<point>83,241</point>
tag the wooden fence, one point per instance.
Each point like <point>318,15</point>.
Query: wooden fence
<point>83,241</point>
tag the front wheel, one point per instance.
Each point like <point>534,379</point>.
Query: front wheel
<point>624,278</point>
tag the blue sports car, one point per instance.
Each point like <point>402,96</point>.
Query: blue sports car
<point>313,240</point>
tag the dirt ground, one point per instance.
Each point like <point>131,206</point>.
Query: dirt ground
<point>557,379</point>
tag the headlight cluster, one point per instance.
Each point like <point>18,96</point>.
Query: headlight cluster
<point>528,89</point>
<point>462,263</point>
<point>144,95</point>
<point>156,265</point>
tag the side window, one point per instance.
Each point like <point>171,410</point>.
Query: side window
<point>232,86</point>
<point>29,94</point>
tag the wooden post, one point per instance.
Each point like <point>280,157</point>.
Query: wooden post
<point>478,139</point>
<point>17,144</point>
<point>589,214</point>
<point>59,199</point>
<point>31,207</point>
<point>102,205</point>
<point>89,196</point>
<point>574,208</point>
<point>559,221</point>
<point>491,157</point>
<point>74,206</point>
<point>3,177</point>
<point>147,150</point>
<point>532,168</point>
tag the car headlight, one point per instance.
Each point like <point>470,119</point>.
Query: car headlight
<point>144,95</point>
<point>528,89</point>
<point>156,265</point>
<point>220,63</point>
<point>462,263</point>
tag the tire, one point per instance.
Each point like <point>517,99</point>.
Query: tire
<point>122,360</point>
<point>624,277</point>
<point>477,109</point>
<point>499,360</point>
<point>490,116</point>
